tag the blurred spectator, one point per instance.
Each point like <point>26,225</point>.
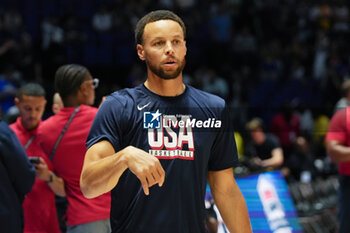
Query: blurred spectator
<point>8,54</point>
<point>321,14</point>
<point>286,126</point>
<point>245,42</point>
<point>337,141</point>
<point>27,58</point>
<point>67,131</point>
<point>168,4</point>
<point>264,152</point>
<point>39,205</point>
<point>213,83</point>
<point>298,70</point>
<point>102,19</point>
<point>320,128</point>
<point>185,4</point>
<point>52,33</point>
<point>52,52</point>
<point>341,17</point>
<point>75,38</point>
<point>306,119</point>
<point>299,164</point>
<point>271,67</point>
<point>17,178</point>
<point>321,55</point>
<point>220,25</point>
<point>12,21</point>
<point>9,82</point>
<point>239,145</point>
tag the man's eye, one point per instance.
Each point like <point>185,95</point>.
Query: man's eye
<point>159,43</point>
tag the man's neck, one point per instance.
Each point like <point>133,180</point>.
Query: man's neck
<point>29,128</point>
<point>71,102</point>
<point>162,87</point>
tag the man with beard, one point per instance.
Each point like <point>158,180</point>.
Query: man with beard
<point>156,145</point>
<point>39,205</point>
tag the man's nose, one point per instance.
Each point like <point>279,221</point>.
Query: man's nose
<point>169,48</point>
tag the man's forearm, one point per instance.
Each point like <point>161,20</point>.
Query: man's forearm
<point>234,211</point>
<point>338,152</point>
<point>57,185</point>
<point>102,176</point>
<point>276,160</point>
<point>229,200</point>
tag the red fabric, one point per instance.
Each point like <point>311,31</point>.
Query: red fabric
<point>39,205</point>
<point>285,130</point>
<point>339,130</point>
<point>68,162</point>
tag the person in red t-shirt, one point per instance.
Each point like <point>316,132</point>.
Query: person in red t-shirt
<point>63,137</point>
<point>338,149</point>
<point>39,205</point>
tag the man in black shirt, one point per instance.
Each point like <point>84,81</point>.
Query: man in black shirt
<point>265,151</point>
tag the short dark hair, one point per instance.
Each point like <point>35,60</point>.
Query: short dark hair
<point>154,16</point>
<point>31,89</point>
<point>68,79</point>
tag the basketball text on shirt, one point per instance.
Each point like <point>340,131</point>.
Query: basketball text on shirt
<point>171,137</point>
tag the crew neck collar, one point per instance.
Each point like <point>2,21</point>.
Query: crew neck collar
<point>184,93</point>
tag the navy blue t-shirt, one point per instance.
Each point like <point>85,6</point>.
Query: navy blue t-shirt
<point>190,134</point>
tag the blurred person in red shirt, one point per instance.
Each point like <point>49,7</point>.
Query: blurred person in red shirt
<point>63,137</point>
<point>338,149</point>
<point>39,205</point>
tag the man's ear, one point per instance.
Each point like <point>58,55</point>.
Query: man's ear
<point>83,89</point>
<point>140,52</point>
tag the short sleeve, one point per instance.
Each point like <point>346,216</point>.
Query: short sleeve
<point>275,143</point>
<point>224,151</point>
<point>338,128</point>
<point>107,124</point>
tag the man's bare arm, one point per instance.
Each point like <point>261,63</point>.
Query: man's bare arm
<point>276,160</point>
<point>337,151</point>
<point>44,173</point>
<point>229,200</point>
<point>103,167</point>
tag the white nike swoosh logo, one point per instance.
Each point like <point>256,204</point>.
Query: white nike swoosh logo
<point>142,107</point>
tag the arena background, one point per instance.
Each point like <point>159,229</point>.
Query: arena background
<point>262,56</point>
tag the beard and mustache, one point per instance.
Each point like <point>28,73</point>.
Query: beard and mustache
<point>161,73</point>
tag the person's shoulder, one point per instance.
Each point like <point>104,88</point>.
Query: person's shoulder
<point>206,98</point>
<point>340,114</point>
<point>49,122</point>
<point>14,125</point>
<point>272,138</point>
<point>6,131</point>
<point>88,108</point>
<point>125,96</point>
